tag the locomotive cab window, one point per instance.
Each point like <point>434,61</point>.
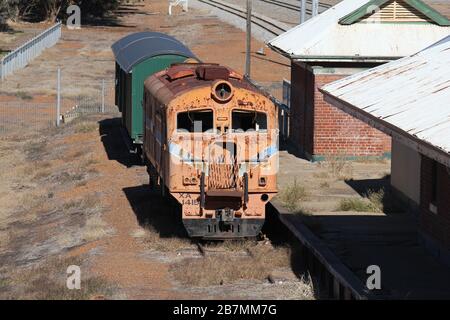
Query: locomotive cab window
<point>192,121</point>
<point>249,120</point>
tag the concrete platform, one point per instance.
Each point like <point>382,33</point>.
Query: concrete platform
<point>349,242</point>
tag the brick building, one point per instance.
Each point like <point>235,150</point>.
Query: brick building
<point>409,100</point>
<point>353,36</point>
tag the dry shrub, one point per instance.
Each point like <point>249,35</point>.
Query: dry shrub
<point>292,194</point>
<point>357,205</point>
<point>301,290</point>
<point>338,166</point>
<point>377,199</point>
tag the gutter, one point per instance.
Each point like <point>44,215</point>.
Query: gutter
<point>309,58</point>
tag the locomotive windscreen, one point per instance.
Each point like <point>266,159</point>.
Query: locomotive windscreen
<point>192,121</point>
<point>247,120</point>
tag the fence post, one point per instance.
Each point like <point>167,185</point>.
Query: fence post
<point>103,96</point>
<point>58,99</point>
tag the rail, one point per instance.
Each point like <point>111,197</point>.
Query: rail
<point>274,27</point>
<point>23,55</point>
<point>322,6</point>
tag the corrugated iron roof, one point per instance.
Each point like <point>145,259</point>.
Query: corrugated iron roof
<point>411,94</point>
<point>324,37</point>
<point>137,47</point>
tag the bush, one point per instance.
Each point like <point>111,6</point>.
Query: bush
<point>358,205</point>
<point>292,194</point>
<point>52,10</point>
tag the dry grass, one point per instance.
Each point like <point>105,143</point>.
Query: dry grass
<point>338,166</point>
<point>86,127</point>
<point>153,240</point>
<point>377,199</point>
<point>35,149</point>
<point>218,270</point>
<point>23,95</point>
<point>357,205</point>
<point>292,194</point>
<point>324,185</point>
<point>47,281</point>
<point>95,228</point>
<point>301,290</point>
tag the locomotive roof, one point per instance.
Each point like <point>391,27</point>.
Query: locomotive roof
<point>182,77</point>
<point>137,47</point>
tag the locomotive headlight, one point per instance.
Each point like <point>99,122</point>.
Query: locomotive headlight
<point>222,91</point>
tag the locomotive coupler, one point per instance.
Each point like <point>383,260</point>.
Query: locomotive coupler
<point>225,215</point>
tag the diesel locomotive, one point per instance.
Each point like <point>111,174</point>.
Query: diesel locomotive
<point>211,140</point>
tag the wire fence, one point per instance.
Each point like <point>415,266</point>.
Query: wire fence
<point>20,57</point>
<point>96,98</point>
<point>76,100</point>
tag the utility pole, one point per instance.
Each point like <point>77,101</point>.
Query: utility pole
<point>58,99</point>
<point>303,12</point>
<point>249,39</point>
<point>315,8</point>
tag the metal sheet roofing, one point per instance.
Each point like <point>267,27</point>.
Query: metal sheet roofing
<point>325,37</point>
<point>411,94</point>
<point>137,47</point>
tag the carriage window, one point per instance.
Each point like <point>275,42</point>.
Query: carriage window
<point>249,120</point>
<point>191,121</point>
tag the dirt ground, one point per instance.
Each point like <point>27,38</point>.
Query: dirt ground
<point>74,196</point>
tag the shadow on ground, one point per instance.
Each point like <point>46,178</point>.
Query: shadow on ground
<point>153,211</point>
<point>113,138</point>
<point>365,187</point>
<point>408,270</point>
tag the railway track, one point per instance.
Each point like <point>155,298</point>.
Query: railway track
<point>295,7</point>
<point>274,27</point>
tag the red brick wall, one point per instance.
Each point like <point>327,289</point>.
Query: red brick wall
<point>436,225</point>
<point>319,129</point>
<point>336,132</point>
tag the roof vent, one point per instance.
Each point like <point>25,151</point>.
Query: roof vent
<point>210,73</point>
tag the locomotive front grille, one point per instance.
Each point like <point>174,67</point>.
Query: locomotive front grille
<point>223,173</point>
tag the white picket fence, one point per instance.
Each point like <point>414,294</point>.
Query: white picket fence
<point>20,57</point>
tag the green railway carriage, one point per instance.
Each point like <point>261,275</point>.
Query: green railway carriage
<point>138,56</point>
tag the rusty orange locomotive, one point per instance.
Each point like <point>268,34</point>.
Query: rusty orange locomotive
<point>211,141</point>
